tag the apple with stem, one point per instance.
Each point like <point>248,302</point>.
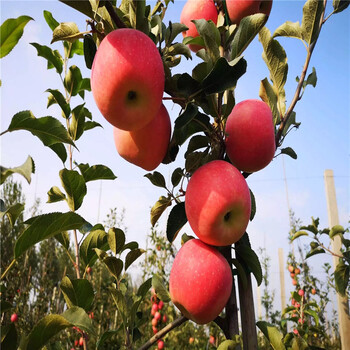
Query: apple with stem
<point>218,203</point>
<point>148,146</point>
<point>200,281</point>
<point>127,79</point>
<point>197,9</point>
<point>238,9</point>
<point>250,135</point>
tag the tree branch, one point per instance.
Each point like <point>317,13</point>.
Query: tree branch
<point>163,332</point>
<point>114,16</point>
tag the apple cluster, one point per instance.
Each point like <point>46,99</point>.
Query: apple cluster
<point>127,82</point>
<point>158,317</point>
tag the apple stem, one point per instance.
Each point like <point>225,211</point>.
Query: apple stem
<point>179,321</point>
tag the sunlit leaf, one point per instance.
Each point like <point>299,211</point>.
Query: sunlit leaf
<point>158,209</point>
<point>68,31</point>
<point>26,170</point>
<point>176,220</point>
<point>310,24</point>
<point>273,335</point>
<point>52,58</point>
<point>161,291</point>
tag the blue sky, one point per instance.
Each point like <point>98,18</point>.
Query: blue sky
<point>322,141</point>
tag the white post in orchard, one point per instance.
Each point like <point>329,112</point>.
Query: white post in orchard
<point>333,219</point>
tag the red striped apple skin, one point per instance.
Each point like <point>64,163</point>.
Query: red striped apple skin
<point>200,281</point>
<point>237,9</point>
<point>148,146</point>
<point>250,136</point>
<point>218,203</point>
<point>197,9</point>
<point>127,79</point>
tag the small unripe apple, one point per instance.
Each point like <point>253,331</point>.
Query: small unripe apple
<point>295,331</point>
<point>160,305</point>
<point>127,79</point>
<point>313,291</point>
<point>292,274</point>
<point>197,9</point>
<point>148,146</point>
<point>164,319</point>
<point>160,344</point>
<point>14,318</point>
<point>301,292</point>
<point>297,305</point>
<point>155,307</point>
<point>294,282</point>
<point>237,9</point>
<point>250,136</point>
<point>290,268</point>
<point>154,321</point>
<point>293,301</point>
<point>88,270</point>
<point>191,340</point>
<point>81,341</point>
<point>301,321</point>
<point>76,342</point>
<point>218,203</point>
<point>157,316</point>
<point>200,281</point>
<point>297,271</point>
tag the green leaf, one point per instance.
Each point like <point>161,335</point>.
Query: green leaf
<point>179,49</point>
<point>159,208</point>
<point>59,98</point>
<point>253,205</point>
<point>157,179</point>
<point>298,343</point>
<point>241,273</point>
<point>120,302</point>
<point>132,256</point>
<point>79,318</point>
<point>45,226</point>
<point>95,239</point>
<point>55,195</point>
<point>50,20</point>
<point>176,220</point>
<point>114,266</point>
<point>290,152</point>
<point>48,129</point>
<point>248,28</point>
<point>187,85</point>
<point>144,288</point>
<point>176,176</point>
<point>104,337</point>
<point>161,291</point>
<point>195,143</point>
<point>276,60</point>
<point>173,31</point>
<point>10,33</point>
<point>224,75</point>
<point>268,95</point>
<point>72,80</point>
<point>76,127</point>
<point>299,234</point>
<point>74,48</point>
<point>289,29</point>
<point>52,58</point>
<point>311,228</point>
<point>96,172</point>
<point>5,306</point>
<point>340,5</point>
<point>189,113</point>
<point>26,170</point>
<point>211,36</point>
<point>116,239</point>
<point>313,252</point>
<point>251,261</point>
<point>75,187</point>
<point>77,292</point>
<point>341,278</point>
<point>90,50</point>
<point>336,230</point>
<point>63,238</point>
<point>91,125</point>
<point>314,314</point>
<point>310,23</point>
<point>60,150</point>
<point>9,335</point>
<point>273,335</point>
<point>312,78</point>
<point>67,31</point>
<point>228,345</point>
<point>131,245</point>
<point>13,213</point>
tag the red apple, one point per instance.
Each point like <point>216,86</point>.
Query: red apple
<point>160,344</point>
<point>127,79</point>
<point>292,274</point>
<point>200,281</point>
<point>154,321</point>
<point>295,331</point>
<point>155,329</point>
<point>297,271</point>
<point>191,340</point>
<point>88,270</point>
<point>157,316</point>
<point>237,9</point>
<point>290,268</point>
<point>250,135</point>
<point>212,340</point>
<point>197,9</point>
<point>313,291</point>
<point>301,292</point>
<point>164,319</point>
<point>294,282</point>
<point>81,341</point>
<point>14,318</point>
<point>146,147</point>
<point>160,305</point>
<point>217,203</point>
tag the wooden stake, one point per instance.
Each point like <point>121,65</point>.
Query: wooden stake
<point>333,219</point>
<point>283,289</point>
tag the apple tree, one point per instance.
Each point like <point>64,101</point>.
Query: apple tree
<point>206,129</point>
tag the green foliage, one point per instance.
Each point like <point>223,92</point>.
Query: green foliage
<point>11,31</point>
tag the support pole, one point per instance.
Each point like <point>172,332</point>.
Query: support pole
<point>282,284</point>
<point>333,219</point>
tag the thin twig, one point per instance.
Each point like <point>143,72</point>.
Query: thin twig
<point>179,321</point>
